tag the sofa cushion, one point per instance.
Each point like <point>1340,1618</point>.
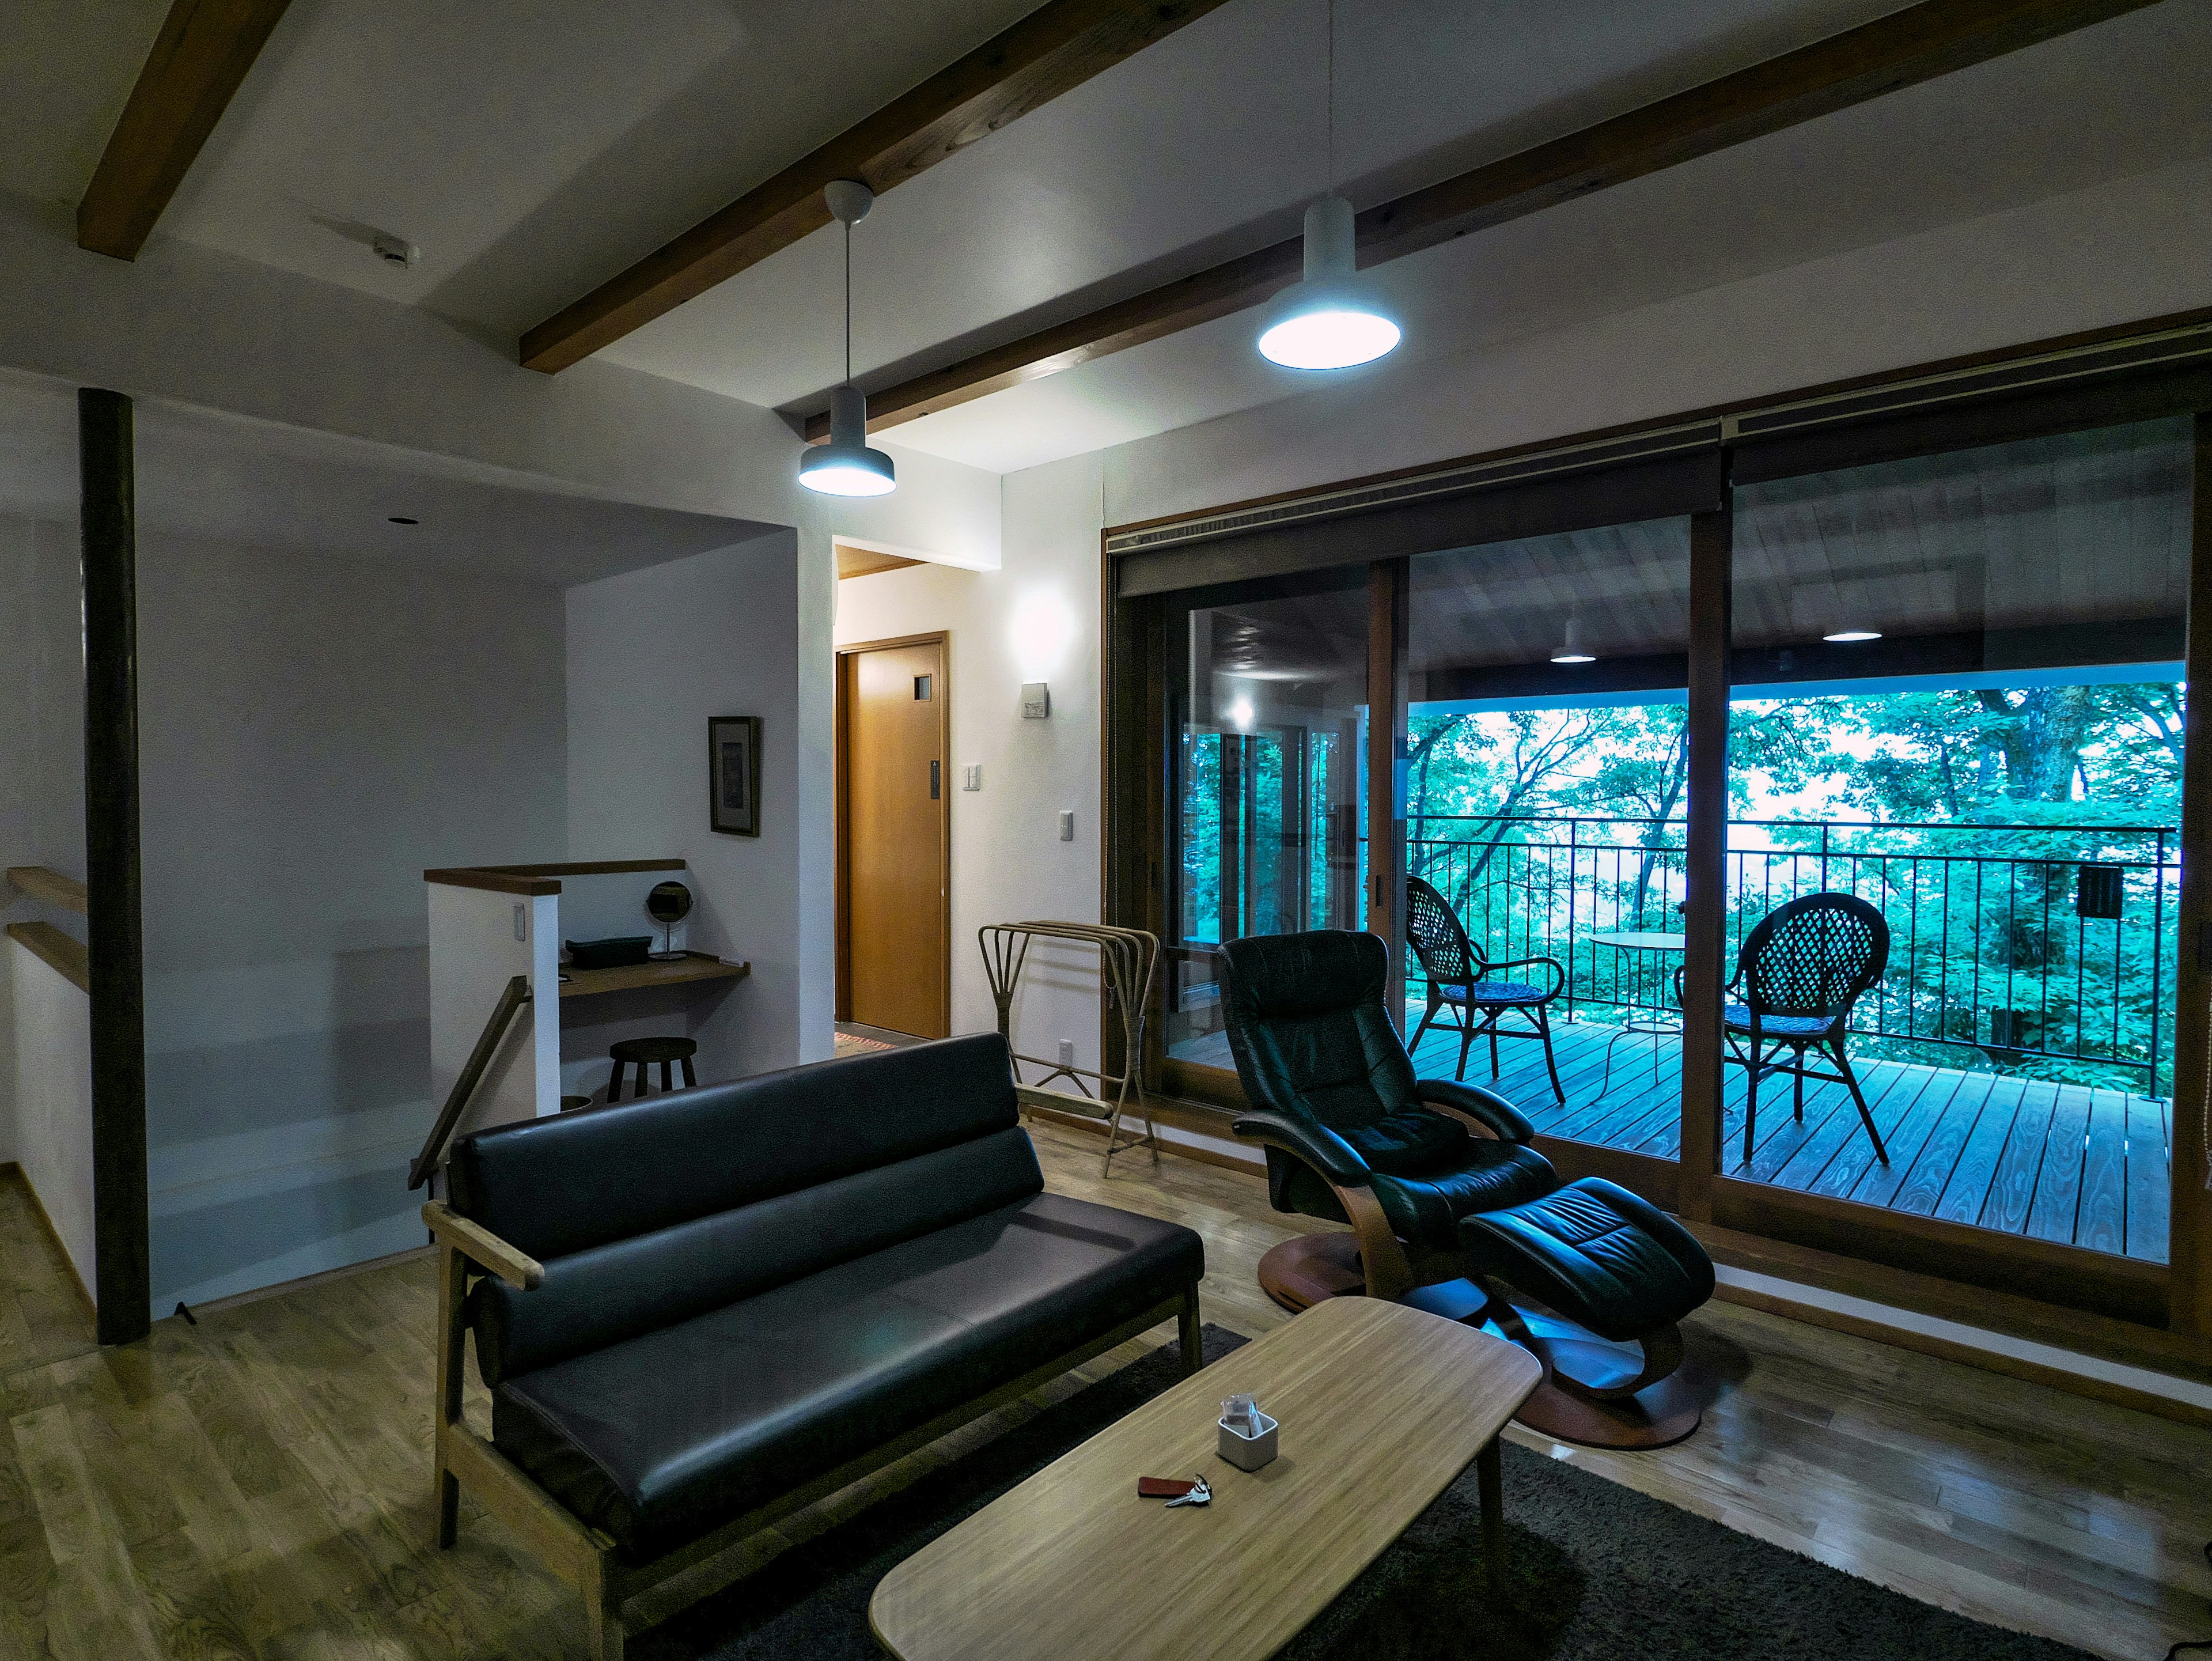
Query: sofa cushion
<point>607,1294</point>
<point>668,1435</point>
<point>555,1185</point>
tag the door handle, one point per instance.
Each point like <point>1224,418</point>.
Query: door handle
<point>936,781</point>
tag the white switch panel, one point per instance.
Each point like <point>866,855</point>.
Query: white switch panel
<point>1067,825</point>
<point>971,778</point>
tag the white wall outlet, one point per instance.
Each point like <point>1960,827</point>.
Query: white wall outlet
<point>971,778</point>
<point>1067,825</point>
<point>1067,1052</point>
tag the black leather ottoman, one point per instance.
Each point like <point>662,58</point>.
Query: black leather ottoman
<point>1614,1264</point>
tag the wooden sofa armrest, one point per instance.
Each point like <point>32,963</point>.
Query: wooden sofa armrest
<point>483,1248</point>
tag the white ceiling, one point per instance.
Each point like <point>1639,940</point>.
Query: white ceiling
<point>533,148</point>
<point>253,485</point>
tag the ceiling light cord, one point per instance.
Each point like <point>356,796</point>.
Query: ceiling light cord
<point>848,297</point>
<point>1329,99</point>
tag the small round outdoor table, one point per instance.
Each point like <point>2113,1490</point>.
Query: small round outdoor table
<point>1660,1020</point>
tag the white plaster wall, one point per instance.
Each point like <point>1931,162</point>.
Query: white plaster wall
<point>187,323</point>
<point>41,746</point>
<point>651,656</point>
<point>52,1080</point>
<point>479,940</point>
<point>314,733</point>
<point>2134,248</point>
<point>1034,619</point>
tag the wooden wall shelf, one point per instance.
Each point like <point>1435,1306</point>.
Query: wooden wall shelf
<point>538,879</point>
<point>69,959</point>
<point>50,886</point>
<point>695,966</point>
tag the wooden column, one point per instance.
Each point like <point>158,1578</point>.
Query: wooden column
<point>1706,859</point>
<point>2188,1240</point>
<point>111,840</point>
<point>1388,583</point>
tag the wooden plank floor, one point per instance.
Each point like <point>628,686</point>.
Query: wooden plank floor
<point>2081,1165</point>
<point>257,1486</point>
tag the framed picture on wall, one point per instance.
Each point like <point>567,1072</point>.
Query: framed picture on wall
<point>733,770</point>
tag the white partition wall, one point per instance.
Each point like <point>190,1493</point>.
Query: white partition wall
<point>480,939</point>
<point>53,1099</point>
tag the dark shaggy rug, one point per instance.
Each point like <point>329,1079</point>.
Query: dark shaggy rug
<point>1599,1572</point>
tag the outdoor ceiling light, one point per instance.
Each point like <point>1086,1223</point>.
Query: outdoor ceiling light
<point>1328,320</point>
<point>1846,636</point>
<point>845,466</point>
<point>1570,649</point>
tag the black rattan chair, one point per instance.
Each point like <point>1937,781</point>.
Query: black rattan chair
<point>1460,980</point>
<point>1798,974</point>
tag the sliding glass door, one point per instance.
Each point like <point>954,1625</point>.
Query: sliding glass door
<point>1545,766</point>
<point>1268,707</point>
<point>1955,757</point>
<point>1581,733</point>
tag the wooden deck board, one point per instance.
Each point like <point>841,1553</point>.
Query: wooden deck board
<point>2012,1188</point>
<point>2149,1178</point>
<point>2101,1222</point>
<point>1966,1189</point>
<point>1965,1146</point>
<point>2059,1188</point>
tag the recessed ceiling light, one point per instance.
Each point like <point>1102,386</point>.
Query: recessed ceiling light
<point>401,519</point>
<point>1846,636</point>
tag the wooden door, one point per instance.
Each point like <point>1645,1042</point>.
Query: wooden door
<point>894,919</point>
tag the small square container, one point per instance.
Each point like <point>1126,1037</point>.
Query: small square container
<point>1248,1452</point>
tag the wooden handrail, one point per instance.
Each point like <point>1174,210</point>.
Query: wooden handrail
<point>41,882</point>
<point>64,956</point>
<point>516,995</point>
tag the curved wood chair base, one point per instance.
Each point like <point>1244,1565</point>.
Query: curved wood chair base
<point>1658,1415</point>
<point>1301,1272</point>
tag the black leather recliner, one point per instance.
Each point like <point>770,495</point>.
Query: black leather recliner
<point>1437,1178</point>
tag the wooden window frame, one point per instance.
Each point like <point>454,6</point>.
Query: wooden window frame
<point>2121,1295</point>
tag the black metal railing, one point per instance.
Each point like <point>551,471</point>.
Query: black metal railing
<point>2046,948</point>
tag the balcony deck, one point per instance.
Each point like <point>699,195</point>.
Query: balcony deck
<point>2069,1163</point>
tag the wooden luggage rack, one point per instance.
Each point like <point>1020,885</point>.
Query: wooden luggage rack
<point>1127,960</point>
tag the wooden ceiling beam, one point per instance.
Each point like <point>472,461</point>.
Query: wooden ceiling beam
<point>199,58</point>
<point>1056,48</point>
<point>1914,45</point>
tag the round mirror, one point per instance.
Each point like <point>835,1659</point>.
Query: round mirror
<point>667,905</point>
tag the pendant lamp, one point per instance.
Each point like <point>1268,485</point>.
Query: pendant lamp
<point>845,466</point>
<point>1570,649</point>
<point>1328,320</point>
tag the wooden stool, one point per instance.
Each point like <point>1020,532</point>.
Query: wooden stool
<point>645,1051</point>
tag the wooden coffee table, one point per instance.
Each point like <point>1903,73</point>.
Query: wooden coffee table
<point>1381,1407</point>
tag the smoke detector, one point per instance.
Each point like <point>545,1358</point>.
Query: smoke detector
<point>395,250</point>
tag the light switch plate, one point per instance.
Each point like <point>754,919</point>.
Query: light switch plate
<point>1067,825</point>
<point>1036,700</point>
<point>971,778</point>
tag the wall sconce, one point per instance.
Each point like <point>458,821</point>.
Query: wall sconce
<point>1036,700</point>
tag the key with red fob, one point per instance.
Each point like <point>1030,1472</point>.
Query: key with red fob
<point>1175,1492</point>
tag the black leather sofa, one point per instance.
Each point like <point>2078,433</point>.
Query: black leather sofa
<point>698,1313</point>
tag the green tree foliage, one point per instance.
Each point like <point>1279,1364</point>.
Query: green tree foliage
<point>1984,805</point>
